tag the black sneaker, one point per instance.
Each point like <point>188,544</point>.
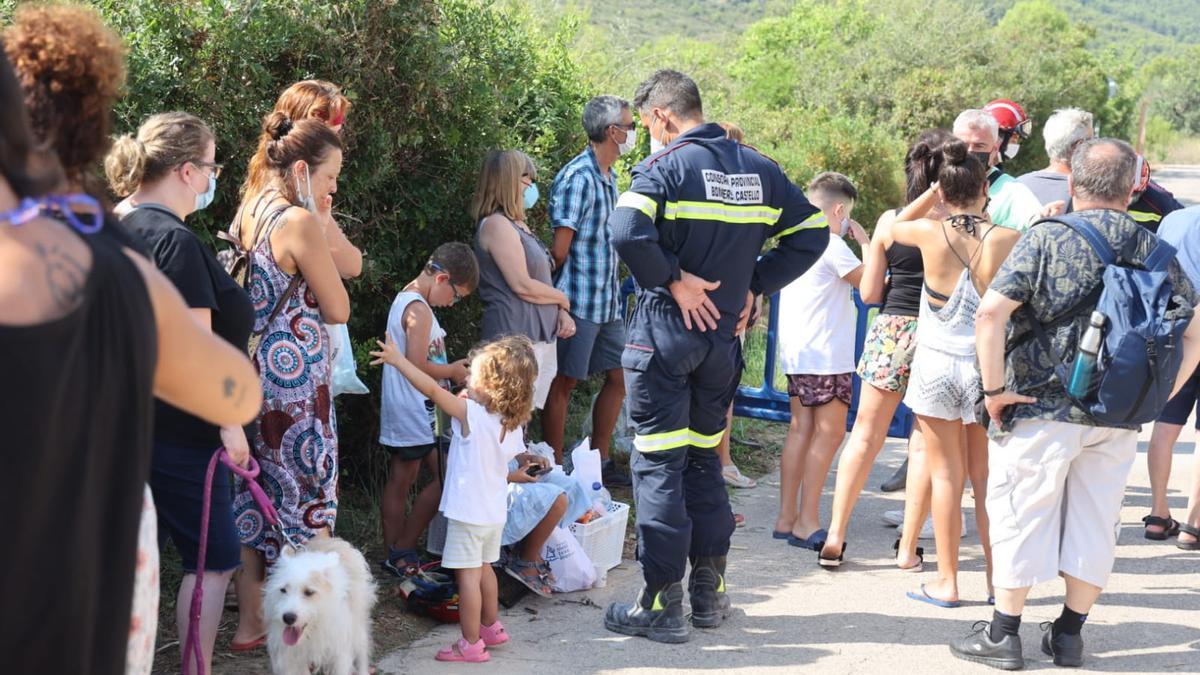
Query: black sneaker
<point>657,616</point>
<point>613,476</point>
<point>898,479</point>
<point>1067,650</point>
<point>706,587</point>
<point>979,648</point>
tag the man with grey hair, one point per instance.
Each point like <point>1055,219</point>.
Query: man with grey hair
<point>1057,475</point>
<point>1012,205</point>
<point>582,198</point>
<point>1062,132</point>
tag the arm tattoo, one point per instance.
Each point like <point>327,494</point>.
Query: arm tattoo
<point>232,390</point>
<point>65,276</point>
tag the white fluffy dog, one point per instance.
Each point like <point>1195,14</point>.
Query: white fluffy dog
<point>318,609</point>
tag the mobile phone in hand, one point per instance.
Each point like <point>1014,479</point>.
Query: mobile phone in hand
<point>535,470</point>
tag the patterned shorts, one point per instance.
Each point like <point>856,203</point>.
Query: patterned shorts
<point>888,352</point>
<point>817,390</point>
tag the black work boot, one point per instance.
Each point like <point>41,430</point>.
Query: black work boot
<point>656,615</point>
<point>706,586</point>
<point>1066,649</point>
<point>979,647</point>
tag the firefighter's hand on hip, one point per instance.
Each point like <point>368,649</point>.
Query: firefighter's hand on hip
<point>691,294</point>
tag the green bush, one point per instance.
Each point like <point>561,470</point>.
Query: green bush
<point>434,86</point>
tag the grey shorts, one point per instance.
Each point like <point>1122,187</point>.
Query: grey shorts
<point>594,348</point>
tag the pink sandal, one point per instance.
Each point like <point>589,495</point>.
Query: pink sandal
<point>494,634</point>
<point>465,652</point>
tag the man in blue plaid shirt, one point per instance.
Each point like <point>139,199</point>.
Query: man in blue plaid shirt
<point>582,197</point>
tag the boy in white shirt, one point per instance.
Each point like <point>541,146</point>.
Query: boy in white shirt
<point>816,352</point>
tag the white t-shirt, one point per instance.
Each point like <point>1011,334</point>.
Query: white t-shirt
<point>406,417</point>
<point>476,487</point>
<point>816,316</point>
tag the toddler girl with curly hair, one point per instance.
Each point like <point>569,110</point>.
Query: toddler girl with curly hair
<point>487,425</point>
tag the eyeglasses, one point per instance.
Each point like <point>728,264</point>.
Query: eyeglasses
<point>434,267</point>
<point>627,127</point>
<point>215,168</point>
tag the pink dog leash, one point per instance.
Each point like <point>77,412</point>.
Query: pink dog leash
<point>192,645</point>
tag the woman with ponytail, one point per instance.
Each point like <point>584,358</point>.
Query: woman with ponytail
<point>296,288</point>
<point>165,173</point>
<point>961,250</point>
<point>892,276</point>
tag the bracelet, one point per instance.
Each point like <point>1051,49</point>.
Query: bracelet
<point>995,392</point>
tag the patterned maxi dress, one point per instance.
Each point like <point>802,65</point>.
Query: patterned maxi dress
<point>296,443</point>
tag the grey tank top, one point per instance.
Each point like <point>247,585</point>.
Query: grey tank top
<point>504,313</point>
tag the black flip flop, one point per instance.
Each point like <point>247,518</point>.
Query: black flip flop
<point>1169,525</point>
<point>831,563</point>
<point>1189,545</point>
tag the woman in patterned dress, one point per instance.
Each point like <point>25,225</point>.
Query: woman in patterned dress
<point>292,267</point>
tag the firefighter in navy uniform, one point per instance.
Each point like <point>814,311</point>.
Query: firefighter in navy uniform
<point>1151,201</point>
<point>691,229</point>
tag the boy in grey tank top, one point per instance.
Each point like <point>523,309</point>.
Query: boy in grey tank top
<point>407,427</point>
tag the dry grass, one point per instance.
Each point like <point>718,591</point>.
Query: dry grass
<point>1186,150</point>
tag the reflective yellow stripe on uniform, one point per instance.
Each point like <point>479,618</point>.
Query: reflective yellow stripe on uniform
<point>1145,216</point>
<point>678,438</point>
<point>705,441</point>
<point>812,222</point>
<point>640,202</point>
<point>728,213</point>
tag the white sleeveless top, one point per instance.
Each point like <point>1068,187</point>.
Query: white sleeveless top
<point>406,417</point>
<point>950,329</point>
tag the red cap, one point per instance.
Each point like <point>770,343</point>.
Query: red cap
<point>1011,116</point>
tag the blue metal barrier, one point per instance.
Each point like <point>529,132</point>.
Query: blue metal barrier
<point>765,402</point>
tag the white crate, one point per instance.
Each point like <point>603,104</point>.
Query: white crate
<point>603,539</point>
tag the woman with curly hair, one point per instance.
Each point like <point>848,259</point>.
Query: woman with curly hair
<point>91,333</point>
<point>71,67</point>
<point>486,424</point>
<point>324,101</point>
<point>295,288</point>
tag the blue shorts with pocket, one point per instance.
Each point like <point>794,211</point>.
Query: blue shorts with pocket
<point>1180,408</point>
<point>594,348</point>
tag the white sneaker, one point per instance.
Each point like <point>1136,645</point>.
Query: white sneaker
<point>734,478</point>
<point>896,519</point>
<point>927,528</point>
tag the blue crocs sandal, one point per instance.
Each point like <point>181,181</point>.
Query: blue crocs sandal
<point>813,542</point>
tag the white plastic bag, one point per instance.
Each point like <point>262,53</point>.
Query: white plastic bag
<point>570,565</point>
<point>344,377</point>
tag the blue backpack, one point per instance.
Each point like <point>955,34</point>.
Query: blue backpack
<point>1141,350</point>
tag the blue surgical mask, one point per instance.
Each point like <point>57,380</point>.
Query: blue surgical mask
<point>203,199</point>
<point>306,201</point>
<point>531,196</point>
<point>845,228</point>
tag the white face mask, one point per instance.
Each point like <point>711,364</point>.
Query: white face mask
<point>845,228</point>
<point>307,201</point>
<point>655,144</point>
<point>630,141</point>
<point>1011,150</point>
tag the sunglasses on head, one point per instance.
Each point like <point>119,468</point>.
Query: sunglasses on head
<point>453,288</point>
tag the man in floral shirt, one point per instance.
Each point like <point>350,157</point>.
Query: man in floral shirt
<point>1056,478</point>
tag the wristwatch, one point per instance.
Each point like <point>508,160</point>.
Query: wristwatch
<point>995,392</point>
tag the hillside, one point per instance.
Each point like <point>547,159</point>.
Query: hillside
<point>1147,27</point>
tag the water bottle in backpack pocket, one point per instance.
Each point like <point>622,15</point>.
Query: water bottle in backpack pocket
<point>1140,330</point>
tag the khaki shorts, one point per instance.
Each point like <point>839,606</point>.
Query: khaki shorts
<point>468,546</point>
<point>1054,498</point>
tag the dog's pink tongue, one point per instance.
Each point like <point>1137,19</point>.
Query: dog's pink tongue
<point>291,635</point>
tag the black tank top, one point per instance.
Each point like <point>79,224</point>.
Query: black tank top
<point>902,294</point>
<point>76,417</point>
